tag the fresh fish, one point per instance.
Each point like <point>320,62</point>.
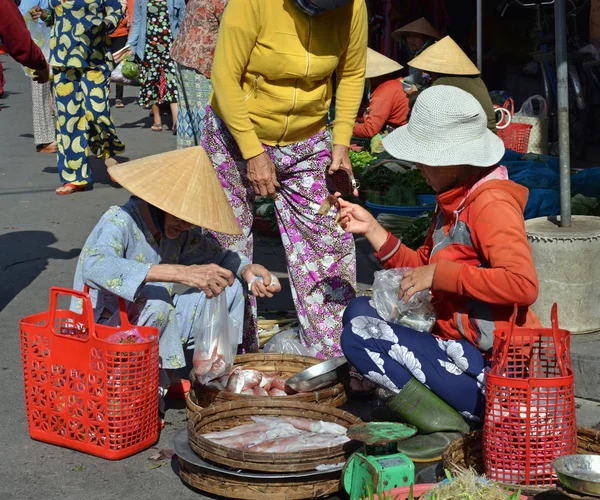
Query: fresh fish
<point>281,430</point>
<point>278,383</point>
<point>252,378</point>
<point>267,379</point>
<point>299,443</point>
<point>248,392</point>
<point>203,361</point>
<point>240,429</point>
<point>259,391</point>
<point>305,424</point>
<point>277,392</point>
<point>236,381</point>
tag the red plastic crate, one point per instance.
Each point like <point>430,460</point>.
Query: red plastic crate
<point>84,393</point>
<point>530,415</point>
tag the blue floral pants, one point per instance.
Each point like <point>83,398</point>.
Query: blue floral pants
<point>389,355</point>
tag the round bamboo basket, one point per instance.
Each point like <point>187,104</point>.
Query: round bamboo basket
<point>259,489</point>
<point>467,453</point>
<point>228,415</point>
<point>288,364</point>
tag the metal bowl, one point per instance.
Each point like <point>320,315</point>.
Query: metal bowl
<point>320,375</point>
<point>579,473</point>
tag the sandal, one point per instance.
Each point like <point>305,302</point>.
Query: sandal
<point>119,104</point>
<point>70,188</point>
<point>157,127</point>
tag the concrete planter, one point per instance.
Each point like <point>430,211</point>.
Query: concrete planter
<point>567,261</point>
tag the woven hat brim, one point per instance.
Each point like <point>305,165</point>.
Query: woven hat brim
<point>484,151</point>
<point>445,57</point>
<point>183,183</point>
<point>421,26</point>
<point>379,65</point>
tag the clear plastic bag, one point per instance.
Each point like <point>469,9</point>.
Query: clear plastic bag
<point>529,109</point>
<point>417,313</point>
<point>216,341</point>
<point>40,34</point>
<point>117,75</point>
<point>288,342</point>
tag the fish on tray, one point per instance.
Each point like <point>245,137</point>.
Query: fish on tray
<point>305,424</point>
<point>299,443</point>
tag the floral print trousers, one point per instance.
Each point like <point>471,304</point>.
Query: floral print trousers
<point>389,355</point>
<point>321,257</point>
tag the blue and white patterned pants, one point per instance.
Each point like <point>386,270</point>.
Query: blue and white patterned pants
<point>389,355</point>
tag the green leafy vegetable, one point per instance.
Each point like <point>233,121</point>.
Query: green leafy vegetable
<point>130,70</point>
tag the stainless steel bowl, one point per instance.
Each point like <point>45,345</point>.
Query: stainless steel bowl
<point>579,473</point>
<point>321,375</point>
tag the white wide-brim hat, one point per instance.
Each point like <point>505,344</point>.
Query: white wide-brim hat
<point>447,127</point>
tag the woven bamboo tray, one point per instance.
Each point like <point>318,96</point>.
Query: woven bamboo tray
<point>257,489</point>
<point>467,452</point>
<point>228,415</point>
<point>288,364</point>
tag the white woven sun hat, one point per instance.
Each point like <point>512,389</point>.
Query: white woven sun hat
<point>447,127</point>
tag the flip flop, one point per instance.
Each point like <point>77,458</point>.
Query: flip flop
<point>119,104</point>
<point>179,390</point>
<point>157,127</point>
<point>70,188</point>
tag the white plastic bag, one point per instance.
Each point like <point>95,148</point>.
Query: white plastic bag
<point>216,340</point>
<point>538,136</point>
<point>40,34</point>
<point>417,313</point>
<point>288,342</point>
<point>117,75</point>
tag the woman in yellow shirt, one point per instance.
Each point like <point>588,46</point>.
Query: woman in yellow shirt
<point>265,131</point>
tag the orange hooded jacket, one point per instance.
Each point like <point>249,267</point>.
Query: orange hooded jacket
<point>484,262</point>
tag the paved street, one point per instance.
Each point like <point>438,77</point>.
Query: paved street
<point>41,235</point>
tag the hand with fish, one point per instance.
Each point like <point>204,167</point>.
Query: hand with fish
<point>260,281</point>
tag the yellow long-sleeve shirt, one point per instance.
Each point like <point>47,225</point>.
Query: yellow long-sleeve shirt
<point>273,67</point>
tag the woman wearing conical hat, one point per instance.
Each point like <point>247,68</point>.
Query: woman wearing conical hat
<point>156,240</point>
<point>417,35</point>
<point>388,103</point>
<point>447,64</point>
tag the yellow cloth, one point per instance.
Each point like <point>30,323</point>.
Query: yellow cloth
<point>273,66</point>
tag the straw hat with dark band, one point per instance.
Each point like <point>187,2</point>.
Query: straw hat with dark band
<point>379,65</point>
<point>421,26</point>
<point>183,183</point>
<point>445,57</point>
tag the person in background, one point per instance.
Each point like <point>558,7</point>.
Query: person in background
<point>417,35</point>
<point>155,26</point>
<point>447,64</point>
<point>119,40</point>
<point>475,261</point>
<point>81,64</point>
<point>388,103</point>
<point>44,121</point>
<point>17,41</point>
<point>193,51</point>
<point>266,134</point>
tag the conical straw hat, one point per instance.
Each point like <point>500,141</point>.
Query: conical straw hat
<point>379,65</point>
<point>444,57</point>
<point>421,26</point>
<point>183,183</point>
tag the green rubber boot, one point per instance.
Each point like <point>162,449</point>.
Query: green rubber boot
<point>438,423</point>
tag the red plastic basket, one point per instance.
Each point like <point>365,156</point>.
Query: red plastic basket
<point>84,393</point>
<point>516,136</point>
<point>530,415</point>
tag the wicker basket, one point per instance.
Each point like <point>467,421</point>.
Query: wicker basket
<point>288,364</point>
<point>259,489</point>
<point>228,415</point>
<point>467,452</point>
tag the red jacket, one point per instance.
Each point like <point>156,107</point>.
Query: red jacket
<point>16,37</point>
<point>388,105</point>
<point>484,262</point>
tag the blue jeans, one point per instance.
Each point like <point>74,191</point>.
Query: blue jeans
<point>389,355</point>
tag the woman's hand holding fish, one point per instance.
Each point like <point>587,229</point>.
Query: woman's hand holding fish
<point>263,287</point>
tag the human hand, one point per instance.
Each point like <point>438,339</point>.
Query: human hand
<point>36,12</point>
<point>42,75</point>
<point>341,160</point>
<point>264,288</point>
<point>411,90</point>
<point>416,280</point>
<point>262,175</point>
<point>210,278</point>
<point>354,218</point>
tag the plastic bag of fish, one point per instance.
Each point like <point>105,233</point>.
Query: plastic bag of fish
<point>216,341</point>
<point>417,313</point>
<point>250,382</point>
<point>281,435</point>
